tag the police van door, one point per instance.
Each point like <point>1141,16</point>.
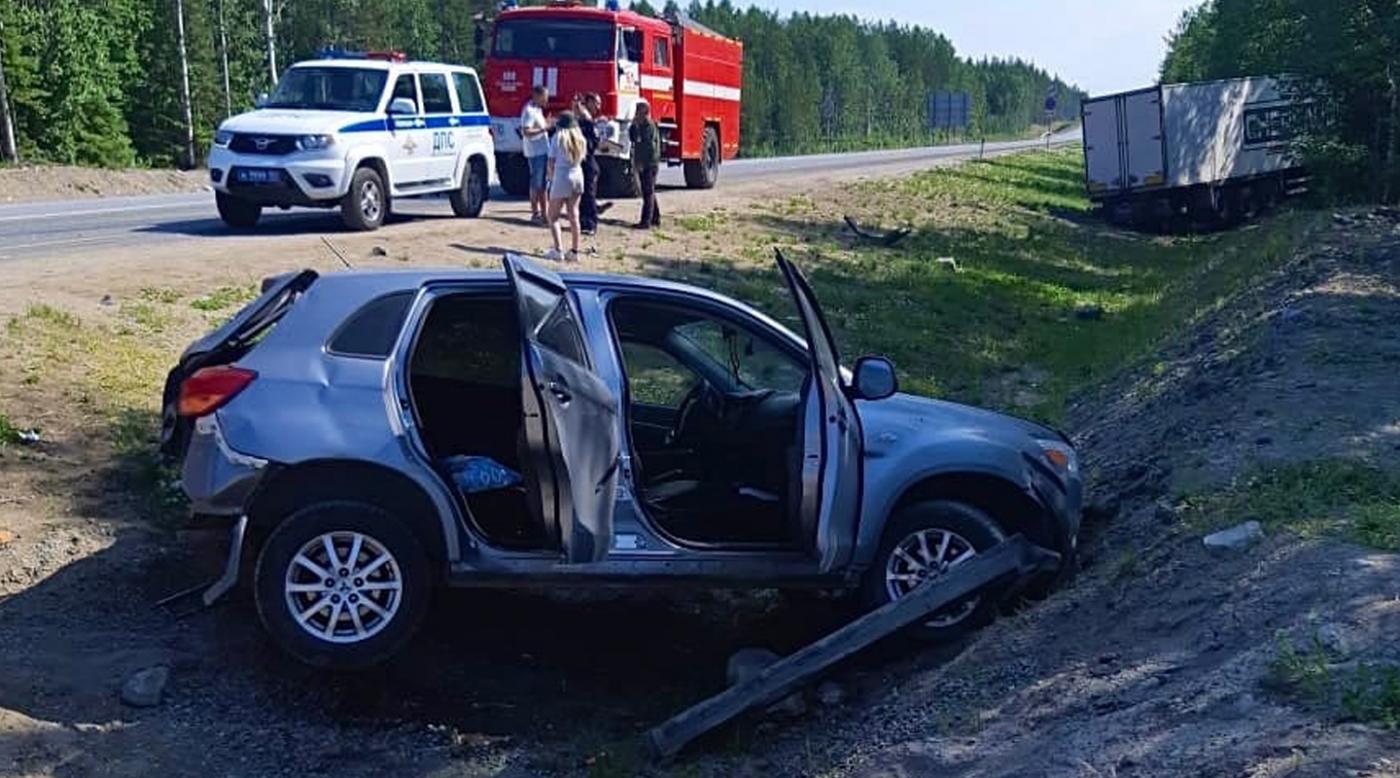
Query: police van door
<point>410,142</point>
<point>442,131</point>
<point>473,122</point>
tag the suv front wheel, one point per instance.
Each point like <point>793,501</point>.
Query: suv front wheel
<point>236,212</point>
<point>342,585</point>
<point>924,541</point>
<point>367,202</point>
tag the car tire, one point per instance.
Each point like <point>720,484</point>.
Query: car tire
<point>617,179</point>
<point>514,173</point>
<point>365,609</point>
<point>703,173</point>
<point>237,212</point>
<point>967,528</point>
<point>366,203</point>
<point>469,198</point>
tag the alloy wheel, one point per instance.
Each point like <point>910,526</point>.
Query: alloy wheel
<point>371,201</point>
<point>922,556</point>
<point>343,587</point>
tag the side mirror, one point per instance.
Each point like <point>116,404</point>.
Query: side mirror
<point>402,106</point>
<point>874,378</point>
<point>261,100</point>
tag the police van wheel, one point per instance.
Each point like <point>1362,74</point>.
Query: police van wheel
<point>514,172</point>
<point>367,202</point>
<point>617,178</point>
<point>468,199</point>
<point>236,213</point>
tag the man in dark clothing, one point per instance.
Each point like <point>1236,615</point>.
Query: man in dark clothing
<point>646,161</point>
<point>588,203</point>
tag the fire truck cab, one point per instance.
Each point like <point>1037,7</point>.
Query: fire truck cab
<point>689,75</point>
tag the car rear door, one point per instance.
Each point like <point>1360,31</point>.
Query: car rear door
<point>570,416</point>
<point>831,458</point>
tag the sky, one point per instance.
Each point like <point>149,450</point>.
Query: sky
<point>1101,45</point>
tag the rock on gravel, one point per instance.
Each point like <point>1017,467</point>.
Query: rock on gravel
<point>747,663</point>
<point>830,694</point>
<point>1236,538</point>
<point>145,688</point>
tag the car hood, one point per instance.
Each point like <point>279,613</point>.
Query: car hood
<point>286,121</point>
<point>907,414</point>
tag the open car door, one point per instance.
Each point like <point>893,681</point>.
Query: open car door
<point>570,416</point>
<point>830,480</point>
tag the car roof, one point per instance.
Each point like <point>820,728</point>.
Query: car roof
<point>398,279</point>
<point>379,64</point>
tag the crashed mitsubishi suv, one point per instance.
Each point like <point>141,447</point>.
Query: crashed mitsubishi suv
<point>372,436</point>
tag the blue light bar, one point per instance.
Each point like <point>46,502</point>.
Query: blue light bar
<point>331,52</point>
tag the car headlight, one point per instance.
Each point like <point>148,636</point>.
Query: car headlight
<point>1059,455</point>
<point>222,138</point>
<point>315,142</point>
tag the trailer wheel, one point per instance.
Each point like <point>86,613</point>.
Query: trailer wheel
<point>704,172</point>
<point>514,173</point>
<point>617,179</point>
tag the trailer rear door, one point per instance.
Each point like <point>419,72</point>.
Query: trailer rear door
<point>1142,130</point>
<point>1123,143</point>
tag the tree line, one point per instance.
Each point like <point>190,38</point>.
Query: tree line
<point>1343,56</point>
<point>124,82</point>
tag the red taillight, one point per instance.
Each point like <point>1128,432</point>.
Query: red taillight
<point>209,388</point>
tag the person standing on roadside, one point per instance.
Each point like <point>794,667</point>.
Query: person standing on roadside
<point>534,133</point>
<point>646,160</point>
<point>588,203</point>
<point>567,152</point>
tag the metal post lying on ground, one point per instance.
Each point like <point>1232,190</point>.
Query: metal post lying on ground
<point>1009,560</point>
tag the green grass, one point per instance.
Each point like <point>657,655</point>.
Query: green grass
<point>1028,253</point>
<point>1365,691</point>
<point>224,298</point>
<point>9,433</point>
<point>1326,497</point>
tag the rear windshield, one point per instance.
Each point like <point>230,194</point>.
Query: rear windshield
<point>329,89</point>
<point>554,39</point>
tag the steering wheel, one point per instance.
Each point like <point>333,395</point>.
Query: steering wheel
<point>703,395</point>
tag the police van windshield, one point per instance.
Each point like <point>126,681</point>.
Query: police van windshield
<point>329,89</point>
<point>554,39</point>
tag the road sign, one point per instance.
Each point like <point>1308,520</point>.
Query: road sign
<point>1051,104</point>
<point>949,110</point>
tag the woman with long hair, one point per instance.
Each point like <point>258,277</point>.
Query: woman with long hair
<point>566,183</point>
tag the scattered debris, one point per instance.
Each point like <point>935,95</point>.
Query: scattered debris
<point>145,688</point>
<point>30,436</point>
<point>885,239</point>
<point>1236,538</point>
<point>948,262</point>
<point>1088,312</point>
<point>378,251</point>
<point>106,300</point>
<point>6,537</point>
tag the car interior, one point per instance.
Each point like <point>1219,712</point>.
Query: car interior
<point>713,417</point>
<point>713,421</point>
<point>464,378</point>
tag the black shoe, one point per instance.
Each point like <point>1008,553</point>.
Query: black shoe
<point>603,207</point>
<point>641,226</point>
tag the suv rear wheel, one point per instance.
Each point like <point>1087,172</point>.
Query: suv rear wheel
<point>236,212</point>
<point>367,202</point>
<point>469,198</point>
<point>342,585</point>
<point>924,541</point>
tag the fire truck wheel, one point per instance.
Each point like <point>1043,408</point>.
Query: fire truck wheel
<point>704,172</point>
<point>617,179</point>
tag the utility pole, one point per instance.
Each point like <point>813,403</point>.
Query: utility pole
<point>223,54</point>
<point>9,152</point>
<point>186,104</point>
<point>268,13</point>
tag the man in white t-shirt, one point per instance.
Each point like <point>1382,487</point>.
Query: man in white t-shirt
<point>534,133</point>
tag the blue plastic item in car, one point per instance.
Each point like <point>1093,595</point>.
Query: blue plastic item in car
<point>481,474</point>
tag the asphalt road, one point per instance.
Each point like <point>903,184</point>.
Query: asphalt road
<point>67,227</point>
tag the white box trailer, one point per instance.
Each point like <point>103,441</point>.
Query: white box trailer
<point>1216,149</point>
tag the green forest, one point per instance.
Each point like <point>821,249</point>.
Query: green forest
<point>1343,55</point>
<point>145,82</point>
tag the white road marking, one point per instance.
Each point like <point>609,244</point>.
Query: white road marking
<point>95,211</point>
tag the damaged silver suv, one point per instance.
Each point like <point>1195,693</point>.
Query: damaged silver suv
<point>372,436</point>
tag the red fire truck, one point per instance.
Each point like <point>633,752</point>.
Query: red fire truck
<point>689,75</point>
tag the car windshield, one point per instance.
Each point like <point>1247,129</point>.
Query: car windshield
<point>554,39</point>
<point>329,89</point>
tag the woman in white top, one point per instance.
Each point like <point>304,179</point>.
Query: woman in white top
<point>568,148</point>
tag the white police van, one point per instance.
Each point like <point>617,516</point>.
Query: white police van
<point>356,131</point>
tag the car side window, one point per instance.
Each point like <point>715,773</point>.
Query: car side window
<point>407,88</point>
<point>436,97</point>
<point>468,93</point>
<point>372,331</point>
<point>655,377</point>
<point>661,52</point>
<point>559,332</point>
<point>753,360</point>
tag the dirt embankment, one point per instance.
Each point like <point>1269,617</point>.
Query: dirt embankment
<point>1163,659</point>
<point>33,183</point>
